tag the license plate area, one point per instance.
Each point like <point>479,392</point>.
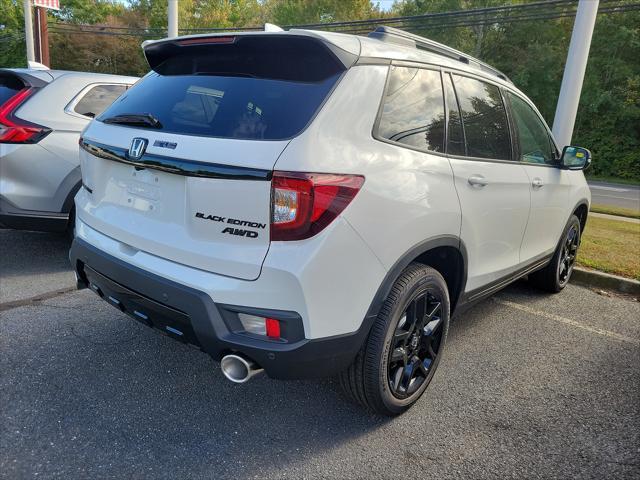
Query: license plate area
<point>171,322</point>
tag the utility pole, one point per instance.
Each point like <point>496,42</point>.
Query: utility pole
<point>42,36</point>
<point>574,69</point>
<point>173,18</point>
<point>28,30</point>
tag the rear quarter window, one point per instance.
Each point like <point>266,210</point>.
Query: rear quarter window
<point>97,99</point>
<point>413,109</point>
<point>9,86</point>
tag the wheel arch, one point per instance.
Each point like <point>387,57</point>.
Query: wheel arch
<point>581,210</point>
<point>447,254</point>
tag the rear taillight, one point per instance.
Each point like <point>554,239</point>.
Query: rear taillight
<point>302,204</point>
<point>16,130</point>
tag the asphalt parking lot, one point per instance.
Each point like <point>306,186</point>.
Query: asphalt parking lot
<point>531,386</point>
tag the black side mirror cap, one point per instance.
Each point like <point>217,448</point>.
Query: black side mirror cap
<point>575,158</point>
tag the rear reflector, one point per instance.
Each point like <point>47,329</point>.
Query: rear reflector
<point>269,327</point>
<point>273,327</point>
<point>16,130</point>
<point>303,204</point>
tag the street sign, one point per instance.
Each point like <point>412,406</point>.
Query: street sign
<point>52,4</point>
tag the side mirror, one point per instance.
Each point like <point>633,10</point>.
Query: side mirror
<point>575,158</point>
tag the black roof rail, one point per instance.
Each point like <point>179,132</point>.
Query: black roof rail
<point>400,37</point>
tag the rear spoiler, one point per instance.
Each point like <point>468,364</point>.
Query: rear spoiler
<point>274,55</point>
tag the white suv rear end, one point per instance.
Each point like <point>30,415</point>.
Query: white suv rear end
<point>244,198</point>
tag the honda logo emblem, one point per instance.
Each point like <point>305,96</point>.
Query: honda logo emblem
<point>137,148</point>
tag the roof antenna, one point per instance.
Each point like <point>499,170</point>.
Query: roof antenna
<point>270,27</point>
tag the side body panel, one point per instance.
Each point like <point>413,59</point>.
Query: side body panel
<point>494,217</point>
<point>408,196</point>
<point>550,209</point>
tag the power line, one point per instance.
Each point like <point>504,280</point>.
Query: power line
<point>389,20</point>
<point>418,22</point>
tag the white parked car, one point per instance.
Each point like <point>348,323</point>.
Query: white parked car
<point>313,203</point>
<point>41,115</point>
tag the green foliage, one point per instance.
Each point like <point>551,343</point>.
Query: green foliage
<point>531,53</point>
<point>297,12</point>
<point>12,47</point>
<point>85,11</point>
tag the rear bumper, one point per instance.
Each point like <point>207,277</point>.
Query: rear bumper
<point>161,303</point>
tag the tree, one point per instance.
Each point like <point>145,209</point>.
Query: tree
<point>12,46</point>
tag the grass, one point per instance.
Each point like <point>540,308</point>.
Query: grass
<point>624,181</point>
<point>611,246</point>
<point>621,212</point>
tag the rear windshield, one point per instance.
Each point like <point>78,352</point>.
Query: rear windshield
<point>239,107</point>
<point>9,86</point>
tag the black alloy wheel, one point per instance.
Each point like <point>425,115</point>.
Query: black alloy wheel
<point>401,354</point>
<point>415,345</point>
<point>556,274</point>
<point>568,254</point>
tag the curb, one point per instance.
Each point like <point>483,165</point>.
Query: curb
<point>617,218</point>
<point>593,278</point>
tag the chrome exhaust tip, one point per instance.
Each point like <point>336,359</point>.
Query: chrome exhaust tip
<point>239,369</point>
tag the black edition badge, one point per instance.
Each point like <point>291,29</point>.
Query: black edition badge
<point>240,232</point>
<point>234,221</point>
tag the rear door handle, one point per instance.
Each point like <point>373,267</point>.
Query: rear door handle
<point>477,181</point>
<point>537,183</point>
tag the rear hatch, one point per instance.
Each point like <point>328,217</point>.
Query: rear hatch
<point>180,166</point>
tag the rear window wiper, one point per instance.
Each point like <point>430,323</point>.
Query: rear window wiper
<point>137,119</point>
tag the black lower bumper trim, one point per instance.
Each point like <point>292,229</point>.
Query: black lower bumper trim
<point>191,316</point>
<point>35,223</point>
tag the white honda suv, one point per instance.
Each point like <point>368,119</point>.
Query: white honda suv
<point>310,203</point>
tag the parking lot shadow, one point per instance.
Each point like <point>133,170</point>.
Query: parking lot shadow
<point>115,398</point>
<point>33,263</point>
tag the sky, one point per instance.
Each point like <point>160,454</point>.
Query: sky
<point>385,4</point>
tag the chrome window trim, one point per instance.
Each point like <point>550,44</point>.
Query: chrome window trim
<point>69,109</point>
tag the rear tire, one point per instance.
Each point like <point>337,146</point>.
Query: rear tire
<point>402,352</point>
<point>555,276</point>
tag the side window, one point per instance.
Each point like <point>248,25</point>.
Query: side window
<point>413,109</point>
<point>455,143</point>
<point>484,118</point>
<point>98,99</point>
<point>535,144</point>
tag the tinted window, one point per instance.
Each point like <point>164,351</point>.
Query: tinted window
<point>535,145</point>
<point>413,109</point>
<point>225,106</point>
<point>455,145</point>
<point>9,86</point>
<point>97,99</point>
<point>484,119</point>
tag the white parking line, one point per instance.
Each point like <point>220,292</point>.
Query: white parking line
<point>612,196</point>
<point>611,189</point>
<point>567,321</point>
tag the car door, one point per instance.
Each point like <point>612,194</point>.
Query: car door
<point>492,188</point>
<point>549,185</point>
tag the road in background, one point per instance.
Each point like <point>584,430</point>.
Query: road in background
<point>615,195</point>
<point>531,385</point>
